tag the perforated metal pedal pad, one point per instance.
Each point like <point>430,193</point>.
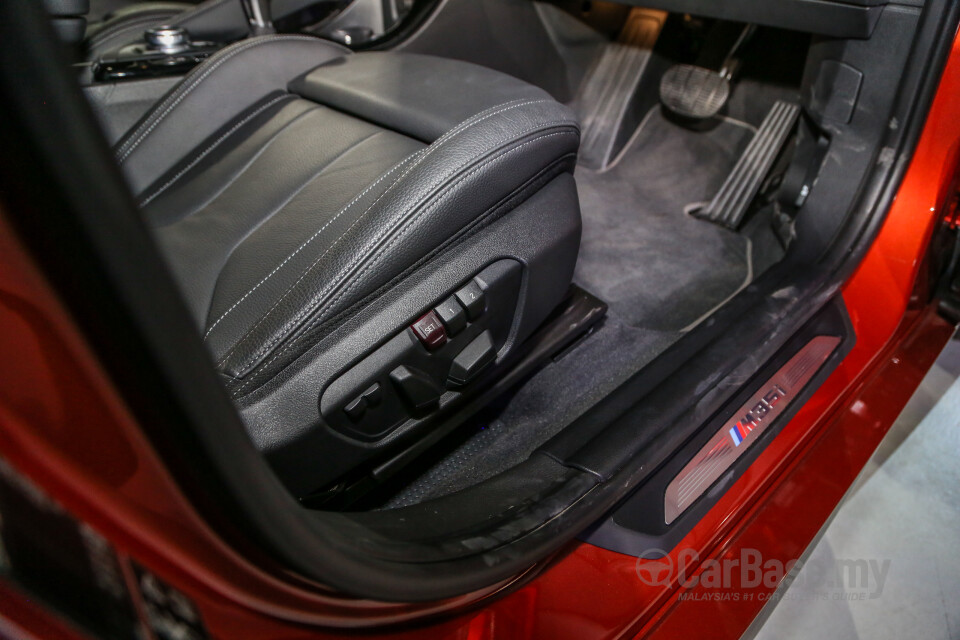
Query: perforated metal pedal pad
<point>693,92</point>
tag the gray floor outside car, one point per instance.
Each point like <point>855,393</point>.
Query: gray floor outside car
<point>906,509</point>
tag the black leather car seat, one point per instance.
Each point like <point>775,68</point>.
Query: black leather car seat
<point>314,203</point>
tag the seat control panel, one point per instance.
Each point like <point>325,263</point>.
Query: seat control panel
<point>436,360</point>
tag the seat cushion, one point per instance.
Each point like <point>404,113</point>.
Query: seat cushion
<point>289,182</point>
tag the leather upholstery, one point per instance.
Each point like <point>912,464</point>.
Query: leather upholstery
<point>120,105</point>
<point>290,182</point>
<point>411,92</point>
<point>212,94</point>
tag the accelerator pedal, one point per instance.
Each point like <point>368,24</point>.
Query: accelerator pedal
<point>730,204</point>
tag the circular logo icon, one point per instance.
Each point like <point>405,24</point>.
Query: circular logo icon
<point>655,568</point>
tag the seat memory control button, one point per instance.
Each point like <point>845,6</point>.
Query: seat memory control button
<point>472,299</point>
<point>453,316</point>
<point>429,330</point>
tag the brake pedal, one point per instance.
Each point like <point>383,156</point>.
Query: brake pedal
<point>729,206</point>
<point>693,92</point>
<point>699,93</point>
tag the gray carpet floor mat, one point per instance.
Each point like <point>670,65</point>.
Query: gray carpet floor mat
<point>655,265</point>
<point>659,269</point>
<point>541,408</point>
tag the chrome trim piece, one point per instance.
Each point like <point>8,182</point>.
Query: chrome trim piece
<point>747,424</point>
<point>167,39</point>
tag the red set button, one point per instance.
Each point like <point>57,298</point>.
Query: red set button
<point>429,330</point>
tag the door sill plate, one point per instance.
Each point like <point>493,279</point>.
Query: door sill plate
<point>745,427</point>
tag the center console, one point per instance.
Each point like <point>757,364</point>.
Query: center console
<point>165,51</point>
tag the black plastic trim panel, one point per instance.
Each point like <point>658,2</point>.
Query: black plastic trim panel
<point>821,17</point>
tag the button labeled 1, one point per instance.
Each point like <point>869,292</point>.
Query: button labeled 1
<point>453,316</point>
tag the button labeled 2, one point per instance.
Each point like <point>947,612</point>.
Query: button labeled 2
<point>472,298</point>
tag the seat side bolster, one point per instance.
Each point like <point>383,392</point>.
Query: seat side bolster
<point>463,181</point>
<point>217,91</point>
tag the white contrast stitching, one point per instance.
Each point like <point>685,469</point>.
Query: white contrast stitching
<point>472,121</point>
<point>250,161</point>
<point>393,241</point>
<point>300,248</point>
<point>350,266</point>
<point>364,255</point>
<point>128,147</point>
<point>422,157</point>
<point>210,148</point>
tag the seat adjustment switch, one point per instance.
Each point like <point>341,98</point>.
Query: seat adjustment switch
<point>472,360</point>
<point>356,409</point>
<point>416,387</point>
